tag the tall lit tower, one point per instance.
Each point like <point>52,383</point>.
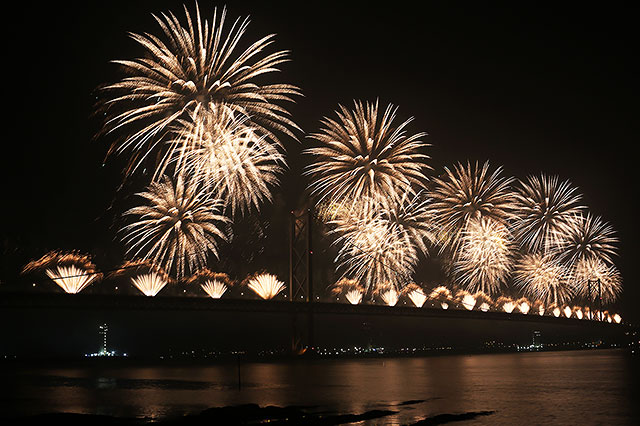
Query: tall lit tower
<point>103,330</point>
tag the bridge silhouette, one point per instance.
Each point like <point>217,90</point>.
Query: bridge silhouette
<point>304,315</point>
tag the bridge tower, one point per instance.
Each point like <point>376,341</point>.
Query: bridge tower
<point>300,275</point>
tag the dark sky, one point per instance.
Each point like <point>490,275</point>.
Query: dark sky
<point>532,88</point>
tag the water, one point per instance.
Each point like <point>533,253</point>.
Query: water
<point>578,387</point>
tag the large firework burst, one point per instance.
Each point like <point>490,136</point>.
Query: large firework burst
<point>588,238</point>
<point>484,258</point>
<point>546,209</point>
<point>363,154</point>
<point>71,271</point>
<point>465,193</point>
<point>228,157</point>
<point>177,228</point>
<point>593,279</point>
<point>195,69</point>
<point>373,252</point>
<point>543,277</point>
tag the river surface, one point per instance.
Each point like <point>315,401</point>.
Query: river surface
<point>573,387</point>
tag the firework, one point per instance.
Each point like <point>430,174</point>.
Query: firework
<point>469,193</point>
<point>72,271</point>
<point>593,279</point>
<point>484,258</point>
<point>215,284</point>
<point>364,155</point>
<point>617,318</point>
<point>149,284</point>
<point>590,238</point>
<point>466,299</point>
<point>543,277</point>
<point>546,210</point>
<point>388,294</point>
<point>230,159</point>
<point>373,252</point>
<point>442,295</point>
<point>538,307</point>
<point>577,310</point>
<point>567,311</point>
<point>266,286</point>
<point>416,294</point>
<point>507,304</point>
<point>146,276</point>
<point>523,305</point>
<point>177,228</point>
<point>351,289</point>
<point>556,311</point>
<point>196,71</point>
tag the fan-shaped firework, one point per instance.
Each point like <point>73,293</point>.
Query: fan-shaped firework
<point>146,276</point>
<point>363,154</point>
<point>523,305</point>
<point>150,284</point>
<point>484,257</point>
<point>73,272</point>
<point>442,295</point>
<point>506,304</point>
<point>215,284</point>
<point>388,294</point>
<point>177,229</point>
<point>228,157</point>
<point>589,238</point>
<point>546,209</point>
<point>266,286</point>
<point>466,299</point>
<point>592,278</point>
<point>351,290</point>
<point>195,71</point>
<point>466,193</point>
<point>373,253</point>
<point>415,293</point>
<point>543,277</point>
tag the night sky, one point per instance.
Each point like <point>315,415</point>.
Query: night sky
<point>534,89</point>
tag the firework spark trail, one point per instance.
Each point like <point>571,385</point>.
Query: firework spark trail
<point>229,158</point>
<point>177,229</point>
<point>72,271</point>
<point>149,284</point>
<point>266,286</point>
<point>543,277</point>
<point>484,258</point>
<point>363,155</point>
<point>197,70</point>
<point>467,193</point>
<point>546,210</point>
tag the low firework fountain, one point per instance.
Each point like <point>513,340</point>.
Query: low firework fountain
<point>215,284</point>
<point>388,294</point>
<point>466,299</point>
<point>416,294</point>
<point>71,271</point>
<point>266,286</point>
<point>523,305</point>
<point>146,276</point>
<point>442,295</point>
<point>507,304</point>
<point>350,289</point>
<point>567,311</point>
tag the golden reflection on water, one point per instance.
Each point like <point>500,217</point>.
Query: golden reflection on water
<point>557,386</point>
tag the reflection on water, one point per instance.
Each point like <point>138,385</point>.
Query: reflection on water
<point>539,388</point>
